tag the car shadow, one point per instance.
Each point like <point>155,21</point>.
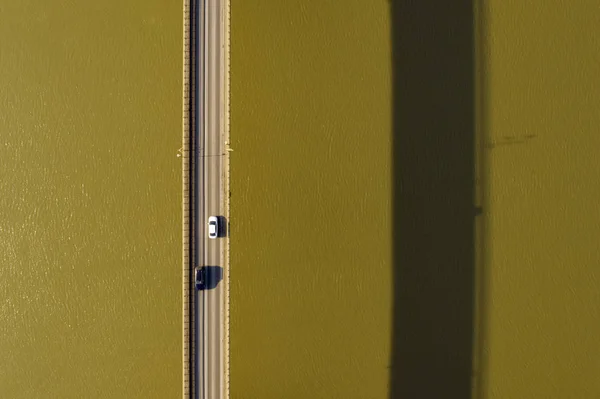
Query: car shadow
<point>223,226</point>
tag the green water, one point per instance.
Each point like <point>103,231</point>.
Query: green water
<point>311,292</point>
<point>90,125</point>
<point>90,198</point>
<point>544,91</point>
<point>310,128</point>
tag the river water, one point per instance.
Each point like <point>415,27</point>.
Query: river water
<point>311,292</point>
<point>90,199</point>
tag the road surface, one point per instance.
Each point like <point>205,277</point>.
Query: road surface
<point>212,197</point>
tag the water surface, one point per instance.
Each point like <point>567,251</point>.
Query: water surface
<point>311,294</point>
<point>90,199</point>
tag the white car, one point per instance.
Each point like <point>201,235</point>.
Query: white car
<point>213,227</point>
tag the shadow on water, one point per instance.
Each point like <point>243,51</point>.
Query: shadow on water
<point>433,196</point>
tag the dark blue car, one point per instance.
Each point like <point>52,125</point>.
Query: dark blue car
<point>200,278</point>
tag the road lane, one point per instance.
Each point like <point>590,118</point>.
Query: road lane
<point>211,301</point>
<point>213,164</point>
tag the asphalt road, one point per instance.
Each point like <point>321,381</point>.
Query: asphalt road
<point>210,305</point>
